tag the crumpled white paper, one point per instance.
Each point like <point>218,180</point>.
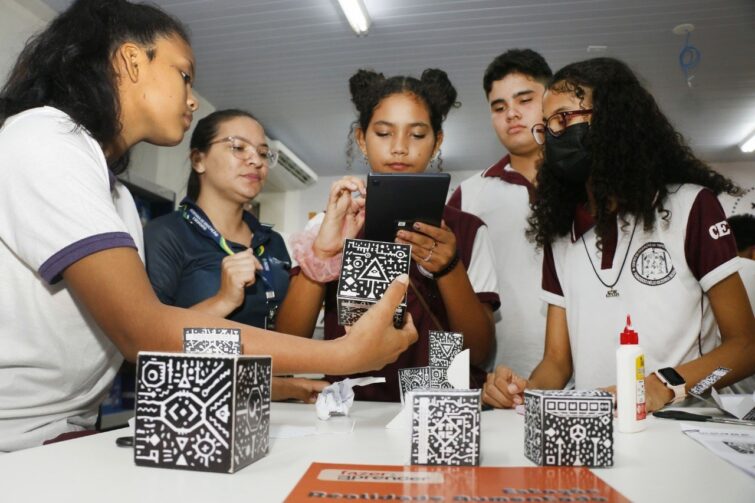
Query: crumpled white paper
<point>337,399</point>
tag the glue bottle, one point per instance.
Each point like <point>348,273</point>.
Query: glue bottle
<point>630,382</point>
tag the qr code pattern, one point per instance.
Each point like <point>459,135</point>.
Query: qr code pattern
<point>444,346</point>
<point>707,382</point>
<point>212,340</point>
<point>252,410</point>
<point>747,448</point>
<point>426,378</point>
<point>368,268</point>
<point>569,428</point>
<point>185,412</point>
<point>446,428</point>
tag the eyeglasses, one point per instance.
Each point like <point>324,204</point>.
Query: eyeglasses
<point>243,150</point>
<point>556,124</point>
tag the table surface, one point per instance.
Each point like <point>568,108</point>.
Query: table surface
<point>658,464</point>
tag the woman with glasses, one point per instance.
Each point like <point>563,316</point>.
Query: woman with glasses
<point>214,256</point>
<point>630,224</point>
<point>211,255</point>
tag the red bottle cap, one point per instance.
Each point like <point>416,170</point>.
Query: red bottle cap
<point>629,336</point>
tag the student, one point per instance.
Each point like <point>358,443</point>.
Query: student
<point>743,228</point>
<point>74,295</point>
<point>223,274</point>
<point>399,131</point>
<point>630,223</point>
<point>190,267</point>
<point>514,83</point>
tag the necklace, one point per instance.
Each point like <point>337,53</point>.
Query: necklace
<point>611,291</point>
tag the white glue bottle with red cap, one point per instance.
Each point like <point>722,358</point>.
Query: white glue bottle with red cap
<point>630,382</point>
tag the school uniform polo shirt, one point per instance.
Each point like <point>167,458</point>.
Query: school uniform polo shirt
<point>666,272</point>
<point>500,196</point>
<point>184,266</point>
<point>59,203</point>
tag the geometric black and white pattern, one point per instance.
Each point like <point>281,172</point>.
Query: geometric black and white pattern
<point>444,346</point>
<point>708,381</point>
<point>446,428</point>
<point>368,268</point>
<point>202,412</point>
<point>569,428</point>
<point>422,378</point>
<point>212,340</point>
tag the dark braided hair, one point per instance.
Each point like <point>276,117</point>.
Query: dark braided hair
<point>635,150</point>
<point>368,88</point>
<point>69,65</point>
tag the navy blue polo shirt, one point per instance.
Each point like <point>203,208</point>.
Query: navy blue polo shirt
<point>184,266</point>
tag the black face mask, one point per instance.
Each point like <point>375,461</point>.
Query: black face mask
<point>568,154</point>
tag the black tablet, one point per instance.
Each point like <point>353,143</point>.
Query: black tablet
<point>397,200</point>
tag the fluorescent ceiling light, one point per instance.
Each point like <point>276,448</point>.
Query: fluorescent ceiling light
<point>749,144</point>
<point>356,14</point>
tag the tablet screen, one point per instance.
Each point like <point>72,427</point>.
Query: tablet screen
<point>397,200</point>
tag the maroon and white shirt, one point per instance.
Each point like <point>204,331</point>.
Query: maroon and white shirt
<point>666,272</point>
<point>58,204</point>
<point>500,196</point>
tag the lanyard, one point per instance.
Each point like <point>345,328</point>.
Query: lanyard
<point>194,215</point>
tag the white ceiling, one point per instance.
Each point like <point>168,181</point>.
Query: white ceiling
<point>288,62</point>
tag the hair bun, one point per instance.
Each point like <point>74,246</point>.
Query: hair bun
<point>439,85</point>
<point>360,85</point>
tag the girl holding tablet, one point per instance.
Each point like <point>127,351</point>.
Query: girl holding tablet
<point>399,130</point>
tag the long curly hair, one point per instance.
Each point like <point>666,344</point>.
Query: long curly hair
<point>69,65</point>
<point>368,88</point>
<point>635,152</point>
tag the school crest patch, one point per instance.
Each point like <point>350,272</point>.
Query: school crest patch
<point>652,265</point>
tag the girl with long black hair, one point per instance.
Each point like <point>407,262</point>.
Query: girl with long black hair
<point>630,224</point>
<point>74,297</point>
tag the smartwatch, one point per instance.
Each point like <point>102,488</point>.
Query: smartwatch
<point>673,381</point>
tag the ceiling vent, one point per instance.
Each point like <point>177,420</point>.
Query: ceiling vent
<point>291,173</point>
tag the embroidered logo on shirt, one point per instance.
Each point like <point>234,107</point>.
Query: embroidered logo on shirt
<point>652,266</point>
<point>719,230</point>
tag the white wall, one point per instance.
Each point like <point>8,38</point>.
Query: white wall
<point>19,21</point>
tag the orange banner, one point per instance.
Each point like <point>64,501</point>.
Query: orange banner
<point>343,482</point>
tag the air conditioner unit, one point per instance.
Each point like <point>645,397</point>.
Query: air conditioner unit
<point>291,173</point>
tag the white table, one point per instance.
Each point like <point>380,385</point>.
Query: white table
<point>659,464</point>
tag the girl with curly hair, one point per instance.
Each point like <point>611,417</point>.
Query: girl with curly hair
<point>399,130</point>
<point>630,223</point>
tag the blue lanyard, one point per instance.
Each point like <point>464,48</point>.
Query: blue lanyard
<point>197,218</point>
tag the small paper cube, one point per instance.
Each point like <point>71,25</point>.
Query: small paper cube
<point>569,427</point>
<point>427,378</point>
<point>202,412</point>
<point>446,427</point>
<point>212,340</point>
<point>368,268</point>
<point>444,346</point>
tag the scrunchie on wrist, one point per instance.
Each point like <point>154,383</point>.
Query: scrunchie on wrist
<point>315,268</point>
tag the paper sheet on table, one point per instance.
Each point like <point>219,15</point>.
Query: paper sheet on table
<point>739,406</point>
<point>337,399</point>
<point>734,445</point>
